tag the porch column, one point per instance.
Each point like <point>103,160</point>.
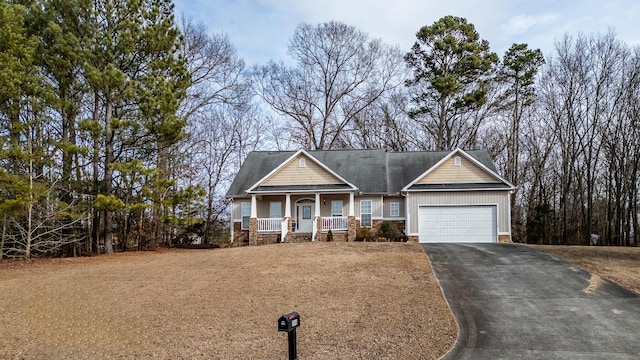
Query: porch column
<point>351,230</point>
<point>317,220</point>
<point>352,207</point>
<point>317,204</point>
<point>287,206</point>
<point>254,206</point>
<point>253,222</point>
<point>232,224</point>
<point>287,215</point>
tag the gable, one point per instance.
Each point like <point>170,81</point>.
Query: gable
<point>466,173</point>
<point>311,174</point>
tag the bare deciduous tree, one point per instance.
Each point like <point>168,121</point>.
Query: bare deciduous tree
<point>339,72</point>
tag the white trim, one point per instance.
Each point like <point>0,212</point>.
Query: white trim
<point>254,207</point>
<point>352,206</point>
<point>456,190</point>
<point>391,210</point>
<point>232,222</point>
<point>287,206</point>
<point>496,205</point>
<point>286,162</point>
<point>466,156</point>
<point>394,219</point>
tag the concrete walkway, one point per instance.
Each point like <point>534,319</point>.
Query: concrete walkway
<point>515,302</point>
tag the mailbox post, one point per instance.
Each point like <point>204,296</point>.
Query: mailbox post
<point>289,323</point>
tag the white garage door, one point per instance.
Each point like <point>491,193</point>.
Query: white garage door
<point>449,224</point>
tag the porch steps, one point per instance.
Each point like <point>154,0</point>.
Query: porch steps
<point>298,237</point>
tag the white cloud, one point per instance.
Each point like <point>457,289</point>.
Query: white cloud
<point>523,23</point>
<point>261,29</point>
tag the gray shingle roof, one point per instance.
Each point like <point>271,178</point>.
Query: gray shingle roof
<point>372,171</point>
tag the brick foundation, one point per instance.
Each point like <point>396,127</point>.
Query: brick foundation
<point>240,237</point>
<point>253,231</point>
<point>504,239</point>
<point>337,236</point>
<point>265,239</point>
<point>318,221</point>
<point>298,238</point>
<point>351,232</point>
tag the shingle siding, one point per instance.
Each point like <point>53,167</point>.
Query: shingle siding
<point>467,172</point>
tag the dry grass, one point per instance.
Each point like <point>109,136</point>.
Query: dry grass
<point>356,301</point>
<point>618,264</point>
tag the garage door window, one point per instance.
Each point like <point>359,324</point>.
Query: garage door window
<point>365,213</point>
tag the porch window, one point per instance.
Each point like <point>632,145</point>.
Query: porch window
<point>246,214</point>
<point>336,207</point>
<point>365,213</point>
<point>394,208</point>
<point>275,209</point>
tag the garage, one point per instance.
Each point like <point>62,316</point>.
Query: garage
<point>458,224</point>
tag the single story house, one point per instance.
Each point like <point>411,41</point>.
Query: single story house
<point>433,196</point>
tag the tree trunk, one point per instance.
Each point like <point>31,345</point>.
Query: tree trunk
<point>4,233</point>
<point>95,228</point>
<point>108,177</point>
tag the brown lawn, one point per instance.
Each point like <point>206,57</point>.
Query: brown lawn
<point>618,264</point>
<point>356,301</point>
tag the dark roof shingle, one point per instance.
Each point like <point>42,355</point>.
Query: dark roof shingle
<point>372,171</point>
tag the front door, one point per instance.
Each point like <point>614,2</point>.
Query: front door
<point>305,213</point>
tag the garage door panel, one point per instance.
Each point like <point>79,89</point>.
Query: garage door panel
<point>471,224</point>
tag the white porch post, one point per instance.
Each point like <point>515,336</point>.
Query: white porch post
<point>287,206</point>
<point>231,223</point>
<point>315,218</point>
<point>352,211</point>
<point>254,206</point>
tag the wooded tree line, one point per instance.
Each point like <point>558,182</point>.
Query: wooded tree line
<point>121,128</point>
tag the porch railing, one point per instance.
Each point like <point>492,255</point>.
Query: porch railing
<point>335,223</point>
<point>269,225</point>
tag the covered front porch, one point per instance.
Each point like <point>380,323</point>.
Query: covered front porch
<point>299,217</point>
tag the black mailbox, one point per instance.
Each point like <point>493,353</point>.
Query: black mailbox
<point>289,322</point>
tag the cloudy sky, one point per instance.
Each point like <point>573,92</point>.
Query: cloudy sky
<point>261,29</point>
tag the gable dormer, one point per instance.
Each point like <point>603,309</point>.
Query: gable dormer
<point>458,170</point>
<point>301,171</point>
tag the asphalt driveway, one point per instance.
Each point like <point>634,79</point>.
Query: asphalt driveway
<point>515,302</point>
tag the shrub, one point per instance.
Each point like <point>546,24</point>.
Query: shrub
<point>329,235</point>
<point>365,234</point>
<point>389,231</point>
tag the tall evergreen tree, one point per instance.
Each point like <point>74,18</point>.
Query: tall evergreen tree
<point>451,68</point>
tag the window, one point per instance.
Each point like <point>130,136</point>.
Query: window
<point>275,209</point>
<point>246,214</point>
<point>365,213</point>
<point>306,212</point>
<point>394,209</point>
<point>336,207</point>
<point>302,162</point>
<point>457,161</point>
